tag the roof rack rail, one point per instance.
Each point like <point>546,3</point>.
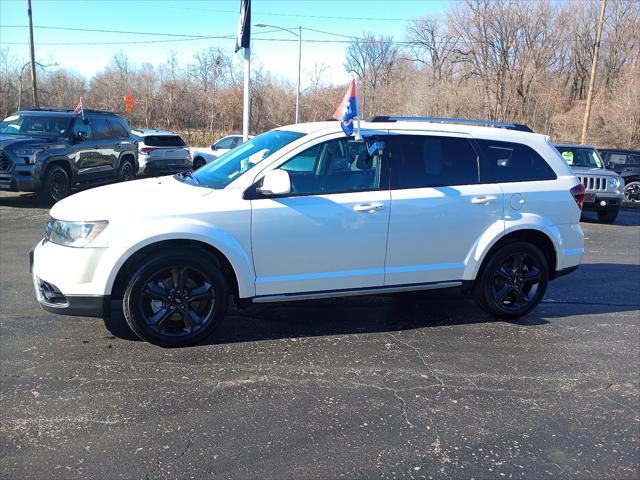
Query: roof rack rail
<point>67,110</point>
<point>480,123</point>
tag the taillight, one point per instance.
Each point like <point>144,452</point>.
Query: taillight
<point>578,193</point>
<point>146,150</point>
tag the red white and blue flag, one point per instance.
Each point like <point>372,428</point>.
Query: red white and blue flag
<point>348,109</point>
<point>79,110</point>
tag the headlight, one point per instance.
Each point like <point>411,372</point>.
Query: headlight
<point>73,234</point>
<point>28,152</point>
<point>615,183</point>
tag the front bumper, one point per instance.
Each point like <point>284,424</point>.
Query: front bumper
<point>21,178</point>
<point>62,280</point>
<point>601,201</point>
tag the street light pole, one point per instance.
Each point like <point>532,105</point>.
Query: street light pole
<point>299,35</point>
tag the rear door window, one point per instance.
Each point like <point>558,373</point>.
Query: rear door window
<point>163,141</point>
<point>118,130</point>
<point>101,130</point>
<point>513,162</point>
<point>431,161</point>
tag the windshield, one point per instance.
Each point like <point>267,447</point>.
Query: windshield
<point>580,157</point>
<point>226,168</point>
<point>35,125</point>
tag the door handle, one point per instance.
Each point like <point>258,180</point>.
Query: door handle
<point>484,200</point>
<point>368,207</point>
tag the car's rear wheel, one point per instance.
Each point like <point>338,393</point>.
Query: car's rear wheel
<point>126,171</point>
<point>608,216</point>
<point>56,185</point>
<point>176,298</point>
<point>513,281</point>
<point>632,192</point>
<point>198,162</point>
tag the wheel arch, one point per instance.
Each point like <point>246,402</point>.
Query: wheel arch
<point>546,241</point>
<point>131,263</point>
<point>58,161</point>
<point>128,156</point>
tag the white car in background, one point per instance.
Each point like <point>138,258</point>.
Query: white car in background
<point>161,152</point>
<point>222,146</point>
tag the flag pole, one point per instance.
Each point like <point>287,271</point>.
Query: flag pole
<point>358,136</point>
<point>246,100</point>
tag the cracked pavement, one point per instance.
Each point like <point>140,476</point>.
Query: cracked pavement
<point>410,386</point>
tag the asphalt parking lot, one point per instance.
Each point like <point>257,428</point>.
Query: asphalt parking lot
<point>418,386</point>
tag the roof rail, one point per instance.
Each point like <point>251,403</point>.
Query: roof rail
<point>67,110</point>
<point>480,123</point>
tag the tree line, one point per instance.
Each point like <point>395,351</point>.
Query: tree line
<point>526,61</point>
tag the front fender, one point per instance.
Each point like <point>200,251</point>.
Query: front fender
<point>236,252</point>
<point>499,230</point>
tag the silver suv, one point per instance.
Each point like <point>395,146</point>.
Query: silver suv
<point>604,187</point>
<point>161,152</point>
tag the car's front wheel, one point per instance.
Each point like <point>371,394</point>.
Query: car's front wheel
<point>632,192</point>
<point>56,185</point>
<point>176,298</point>
<point>513,280</point>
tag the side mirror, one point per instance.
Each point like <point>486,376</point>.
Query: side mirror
<point>79,137</point>
<point>213,147</point>
<point>275,182</point>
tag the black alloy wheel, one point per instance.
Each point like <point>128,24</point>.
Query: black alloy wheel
<point>126,172</point>
<point>56,185</point>
<point>176,299</point>
<point>513,281</point>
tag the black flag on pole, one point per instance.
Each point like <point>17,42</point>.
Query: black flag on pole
<point>244,25</point>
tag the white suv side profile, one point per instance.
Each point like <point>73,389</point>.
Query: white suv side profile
<point>304,212</point>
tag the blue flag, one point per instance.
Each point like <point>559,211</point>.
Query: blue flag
<point>348,109</point>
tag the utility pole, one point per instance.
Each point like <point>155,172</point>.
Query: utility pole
<point>33,59</point>
<point>594,66</point>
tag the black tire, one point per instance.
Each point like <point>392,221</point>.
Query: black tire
<point>126,171</point>
<point>198,162</point>
<point>632,192</point>
<point>56,185</point>
<point>512,281</point>
<point>159,303</point>
<point>608,216</point>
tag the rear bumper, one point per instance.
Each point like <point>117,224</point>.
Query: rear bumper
<point>163,166</point>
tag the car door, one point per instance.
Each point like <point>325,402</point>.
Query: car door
<point>86,158</point>
<point>439,209</point>
<point>330,232</point>
<point>106,144</point>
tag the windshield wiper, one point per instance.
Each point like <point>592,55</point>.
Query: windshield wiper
<point>188,174</point>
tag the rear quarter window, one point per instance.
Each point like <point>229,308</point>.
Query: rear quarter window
<point>164,141</point>
<point>512,162</point>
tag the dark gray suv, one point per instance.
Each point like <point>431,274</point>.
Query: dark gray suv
<point>54,151</point>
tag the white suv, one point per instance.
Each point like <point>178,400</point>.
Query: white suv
<point>304,212</point>
<point>222,146</point>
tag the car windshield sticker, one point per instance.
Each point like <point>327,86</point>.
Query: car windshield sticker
<point>568,157</point>
<point>11,117</point>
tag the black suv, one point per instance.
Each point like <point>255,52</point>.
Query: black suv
<point>52,151</point>
<point>627,164</point>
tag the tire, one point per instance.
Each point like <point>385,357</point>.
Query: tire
<point>159,303</point>
<point>507,291</point>
<point>56,185</point>
<point>198,162</point>
<point>632,192</point>
<point>608,216</point>
<point>126,171</point>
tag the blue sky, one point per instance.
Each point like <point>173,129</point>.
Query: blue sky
<point>207,18</point>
